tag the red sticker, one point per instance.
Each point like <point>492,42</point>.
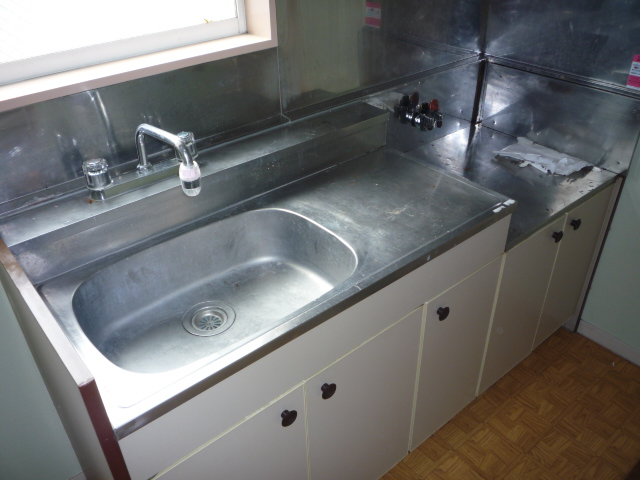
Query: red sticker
<point>372,14</point>
<point>633,81</point>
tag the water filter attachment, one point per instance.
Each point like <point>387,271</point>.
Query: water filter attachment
<point>190,178</point>
<point>189,174</point>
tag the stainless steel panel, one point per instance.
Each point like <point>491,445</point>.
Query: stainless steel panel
<point>454,23</point>
<point>455,91</point>
<point>595,39</point>
<point>44,144</point>
<point>326,50</point>
<point>470,153</point>
<point>596,126</point>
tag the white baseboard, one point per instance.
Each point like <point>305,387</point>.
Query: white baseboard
<point>609,342</point>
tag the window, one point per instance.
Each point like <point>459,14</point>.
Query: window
<point>40,37</point>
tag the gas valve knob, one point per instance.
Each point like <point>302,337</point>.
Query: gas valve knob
<point>402,109</point>
<point>425,115</point>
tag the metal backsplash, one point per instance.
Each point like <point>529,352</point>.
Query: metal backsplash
<point>595,39</point>
<point>43,145</point>
<point>327,49</point>
<point>596,126</point>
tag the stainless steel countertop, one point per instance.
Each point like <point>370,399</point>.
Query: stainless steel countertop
<point>470,153</point>
<point>394,210</point>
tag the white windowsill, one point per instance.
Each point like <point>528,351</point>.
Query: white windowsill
<point>261,28</point>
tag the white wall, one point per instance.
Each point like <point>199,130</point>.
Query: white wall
<point>33,443</point>
<point>613,303</point>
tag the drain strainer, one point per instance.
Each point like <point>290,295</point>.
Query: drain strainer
<point>208,318</point>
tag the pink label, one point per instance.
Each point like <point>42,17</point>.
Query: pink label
<point>372,14</point>
<point>633,81</point>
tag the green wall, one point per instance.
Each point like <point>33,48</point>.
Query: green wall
<point>613,303</point>
<point>33,443</point>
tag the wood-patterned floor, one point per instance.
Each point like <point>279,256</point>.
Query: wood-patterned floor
<point>570,410</point>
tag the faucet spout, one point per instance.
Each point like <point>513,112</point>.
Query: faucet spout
<point>182,151</point>
<point>185,149</point>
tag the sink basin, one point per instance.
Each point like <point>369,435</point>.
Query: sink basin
<point>209,290</point>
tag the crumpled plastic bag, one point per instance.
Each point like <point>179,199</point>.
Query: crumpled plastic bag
<point>544,159</point>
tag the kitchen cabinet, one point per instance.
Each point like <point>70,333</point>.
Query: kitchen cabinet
<point>541,285</point>
<point>523,284</point>
<point>268,446</point>
<point>577,248</point>
<point>375,381</point>
<point>455,332</point>
<point>359,409</point>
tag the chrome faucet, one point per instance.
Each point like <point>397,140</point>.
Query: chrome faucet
<point>185,147</point>
<point>102,186</point>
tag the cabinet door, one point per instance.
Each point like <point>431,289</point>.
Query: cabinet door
<point>455,332</point>
<point>362,430</point>
<point>523,285</point>
<point>577,249</point>
<point>260,447</point>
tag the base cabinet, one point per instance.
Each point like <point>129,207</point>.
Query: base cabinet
<point>356,424</point>
<point>359,409</point>
<point>260,447</point>
<point>523,285</point>
<point>541,285</point>
<point>581,235</point>
<point>455,332</point>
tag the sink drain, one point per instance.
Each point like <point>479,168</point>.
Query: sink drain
<point>208,318</point>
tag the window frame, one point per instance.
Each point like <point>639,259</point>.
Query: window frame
<point>261,34</point>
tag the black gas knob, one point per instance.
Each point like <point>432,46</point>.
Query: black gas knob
<point>575,223</point>
<point>443,313</point>
<point>557,236</point>
<point>328,389</point>
<point>288,417</point>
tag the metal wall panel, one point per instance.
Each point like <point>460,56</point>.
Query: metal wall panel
<point>596,126</point>
<point>595,39</point>
<point>454,23</point>
<point>44,144</point>
<point>326,50</point>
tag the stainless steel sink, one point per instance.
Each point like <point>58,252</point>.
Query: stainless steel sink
<point>206,291</point>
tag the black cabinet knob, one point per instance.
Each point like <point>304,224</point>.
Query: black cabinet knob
<point>288,417</point>
<point>328,390</point>
<point>575,223</point>
<point>557,236</point>
<point>443,313</point>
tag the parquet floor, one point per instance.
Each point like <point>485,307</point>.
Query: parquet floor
<point>570,410</point>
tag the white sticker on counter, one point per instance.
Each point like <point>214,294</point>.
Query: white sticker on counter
<point>634,75</point>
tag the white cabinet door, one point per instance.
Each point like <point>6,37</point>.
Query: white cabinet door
<point>456,326</point>
<point>577,248</point>
<point>523,285</point>
<point>259,448</point>
<point>362,430</point>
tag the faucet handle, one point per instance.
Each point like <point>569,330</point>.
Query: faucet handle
<point>189,142</point>
<point>96,174</point>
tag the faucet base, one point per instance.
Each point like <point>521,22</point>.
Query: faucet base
<point>138,178</point>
